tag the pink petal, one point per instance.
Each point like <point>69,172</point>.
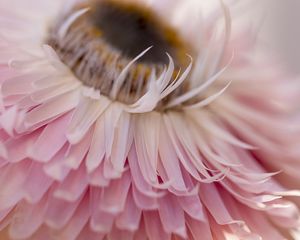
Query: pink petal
<point>123,139</point>
<point>117,234</point>
<point>20,84</point>
<point>10,186</point>
<point>47,94</point>
<point>73,186</point>
<point>76,153</point>
<point>199,230</point>
<point>154,227</point>
<point>60,212</point>
<point>130,218</point>
<point>51,109</point>
<point>51,140</point>
<point>85,115</point>
<point>8,120</point>
<point>172,216</point>
<point>97,149</point>
<point>216,207</point>
<point>144,202</point>
<point>18,148</point>
<point>192,205</point>
<point>28,218</point>
<point>36,184</point>
<point>100,221</point>
<point>137,176</point>
<point>113,197</point>
<point>80,218</point>
<point>97,179</point>
<point>56,168</point>
<point>88,234</point>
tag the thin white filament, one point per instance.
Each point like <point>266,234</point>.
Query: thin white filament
<point>70,20</point>
<point>194,92</point>
<point>208,100</point>
<point>122,77</point>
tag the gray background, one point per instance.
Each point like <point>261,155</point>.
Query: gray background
<point>281,30</point>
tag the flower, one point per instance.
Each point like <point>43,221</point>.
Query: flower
<point>105,137</point>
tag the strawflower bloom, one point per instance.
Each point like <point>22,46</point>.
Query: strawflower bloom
<point>143,120</point>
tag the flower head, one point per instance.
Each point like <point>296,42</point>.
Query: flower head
<point>118,122</point>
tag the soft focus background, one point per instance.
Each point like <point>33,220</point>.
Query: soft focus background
<point>278,23</point>
<point>281,30</point>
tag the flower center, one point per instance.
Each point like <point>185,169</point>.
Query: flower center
<point>132,30</point>
<point>97,40</point>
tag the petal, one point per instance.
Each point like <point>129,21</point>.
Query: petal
<point>10,193</point>
<point>113,197</point>
<point>76,153</point>
<point>36,184</point>
<point>199,230</point>
<point>172,216</point>
<point>27,219</point>
<point>88,234</point>
<point>101,221</point>
<point>51,140</point>
<point>86,114</point>
<point>73,186</point>
<point>216,207</point>
<point>154,227</point>
<point>97,179</point>
<point>130,218</point>
<point>80,218</point>
<point>60,211</point>
<point>52,109</point>
<point>97,149</point>
<point>144,202</point>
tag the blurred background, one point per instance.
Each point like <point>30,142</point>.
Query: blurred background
<point>278,22</point>
<point>281,30</point>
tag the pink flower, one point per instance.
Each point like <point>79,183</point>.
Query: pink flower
<point>105,138</point>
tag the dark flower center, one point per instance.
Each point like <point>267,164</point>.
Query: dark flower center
<point>132,29</point>
<point>101,42</point>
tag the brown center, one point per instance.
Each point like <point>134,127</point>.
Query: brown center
<point>101,42</point>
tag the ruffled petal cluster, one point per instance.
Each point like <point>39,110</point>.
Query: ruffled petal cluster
<point>222,160</point>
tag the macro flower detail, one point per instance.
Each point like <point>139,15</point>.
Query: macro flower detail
<point>143,120</point>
